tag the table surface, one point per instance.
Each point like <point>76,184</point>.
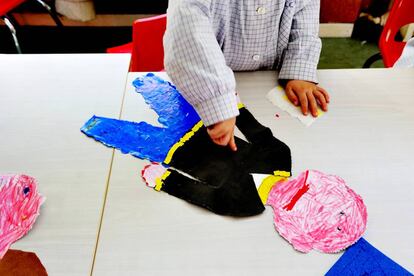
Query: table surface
<point>45,99</point>
<point>367,138</point>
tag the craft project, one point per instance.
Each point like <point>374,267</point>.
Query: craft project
<point>19,207</point>
<point>317,211</point>
<point>219,179</point>
<point>278,97</point>
<point>312,211</point>
<point>21,263</point>
<point>364,259</point>
<point>141,139</point>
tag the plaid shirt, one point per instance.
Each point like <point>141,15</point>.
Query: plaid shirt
<point>207,39</point>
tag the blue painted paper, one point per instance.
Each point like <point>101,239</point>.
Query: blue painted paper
<point>364,259</point>
<point>141,139</point>
<point>174,112</point>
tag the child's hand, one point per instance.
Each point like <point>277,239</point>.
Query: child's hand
<point>222,133</point>
<point>307,94</point>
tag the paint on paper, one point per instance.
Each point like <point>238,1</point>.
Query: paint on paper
<point>317,211</point>
<point>141,139</point>
<point>19,208</point>
<point>364,259</point>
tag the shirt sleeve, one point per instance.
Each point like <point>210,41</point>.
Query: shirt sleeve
<point>195,62</point>
<point>302,55</point>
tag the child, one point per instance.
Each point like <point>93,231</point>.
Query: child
<point>207,39</point>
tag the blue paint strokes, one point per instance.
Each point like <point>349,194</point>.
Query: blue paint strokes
<point>364,259</point>
<point>163,97</point>
<point>141,139</point>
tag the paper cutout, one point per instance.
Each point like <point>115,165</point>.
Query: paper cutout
<point>314,210</point>
<point>153,174</point>
<point>364,259</point>
<point>267,184</point>
<point>220,179</point>
<point>406,60</point>
<point>19,207</point>
<point>278,97</point>
<point>181,142</point>
<point>311,211</point>
<point>317,211</point>
<point>21,263</point>
<point>141,139</point>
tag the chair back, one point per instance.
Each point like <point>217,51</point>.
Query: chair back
<point>401,14</point>
<point>7,5</point>
<point>147,43</point>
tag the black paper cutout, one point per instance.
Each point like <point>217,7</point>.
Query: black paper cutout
<point>224,184</point>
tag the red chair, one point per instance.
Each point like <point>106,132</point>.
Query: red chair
<point>7,6</point>
<point>146,46</point>
<point>401,14</point>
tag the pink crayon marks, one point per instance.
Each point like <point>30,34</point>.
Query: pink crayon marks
<point>318,211</point>
<point>298,194</point>
<point>19,208</point>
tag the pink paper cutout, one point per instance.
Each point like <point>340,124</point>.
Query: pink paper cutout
<point>151,173</point>
<point>19,208</point>
<point>328,216</point>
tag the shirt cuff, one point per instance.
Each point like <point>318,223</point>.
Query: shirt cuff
<point>218,109</point>
<point>298,70</point>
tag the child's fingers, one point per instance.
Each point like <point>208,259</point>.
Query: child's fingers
<point>303,103</point>
<point>220,141</point>
<point>227,140</point>
<point>291,95</point>
<point>232,143</point>
<point>223,140</point>
<point>323,91</point>
<point>312,104</point>
<point>321,99</point>
<point>216,132</point>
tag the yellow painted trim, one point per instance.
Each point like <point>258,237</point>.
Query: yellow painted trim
<point>268,183</point>
<point>183,139</point>
<point>159,181</point>
<point>187,137</point>
<point>282,173</point>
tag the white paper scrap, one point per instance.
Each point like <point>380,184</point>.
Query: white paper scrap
<point>278,97</point>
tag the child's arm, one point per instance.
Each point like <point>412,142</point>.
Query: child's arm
<point>298,71</point>
<point>195,62</point>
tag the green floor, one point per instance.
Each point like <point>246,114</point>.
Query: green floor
<point>346,53</point>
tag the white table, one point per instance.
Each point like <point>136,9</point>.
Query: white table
<point>45,99</point>
<point>367,138</point>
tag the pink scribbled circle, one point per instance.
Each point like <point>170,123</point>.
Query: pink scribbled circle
<point>19,208</point>
<point>318,211</point>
